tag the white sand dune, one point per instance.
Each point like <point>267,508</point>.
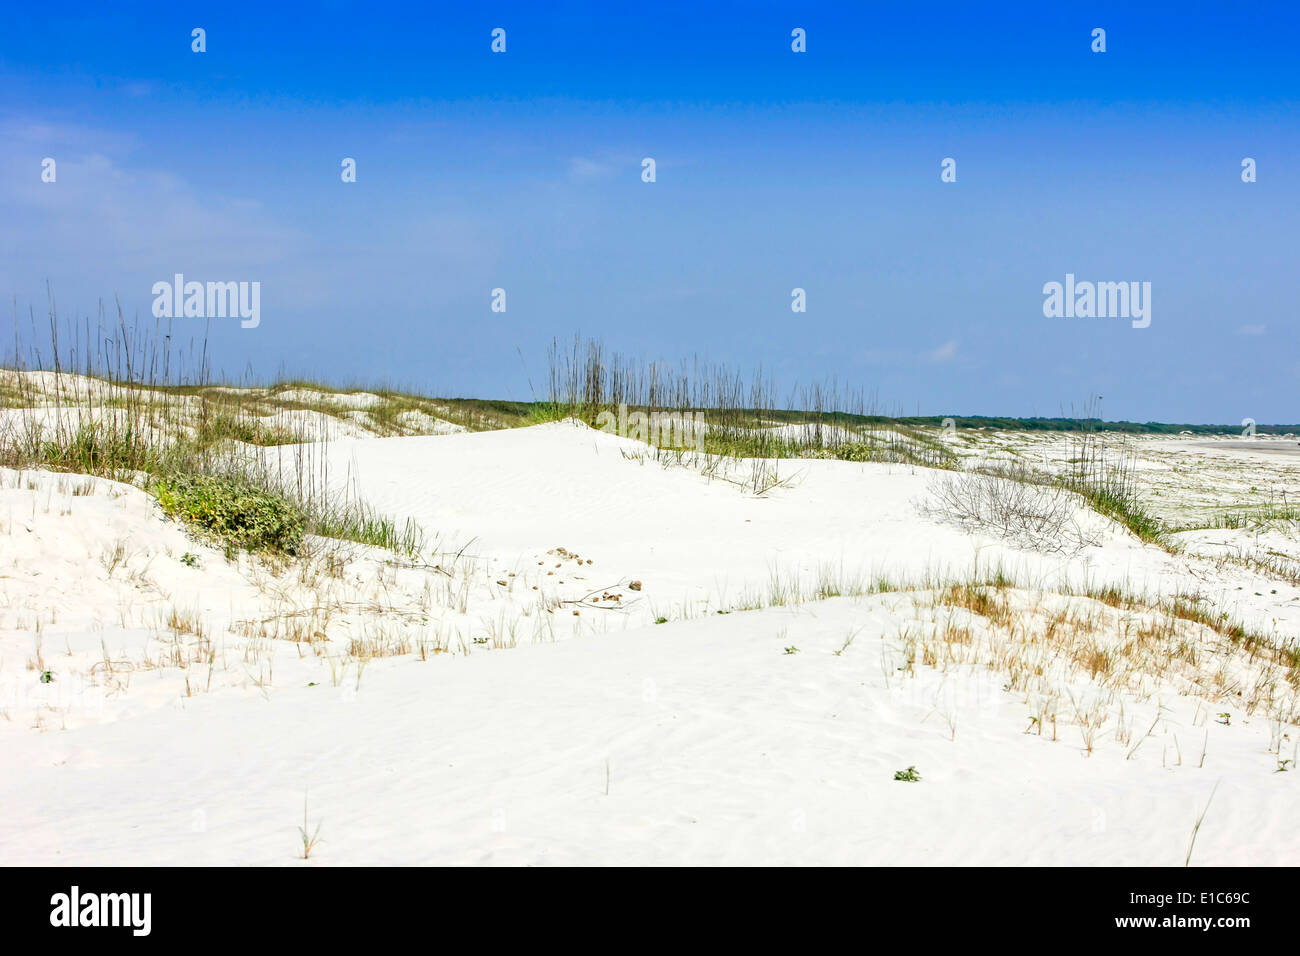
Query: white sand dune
<point>524,491</point>
<point>534,735</point>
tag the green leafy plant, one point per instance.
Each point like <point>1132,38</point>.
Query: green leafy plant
<point>190,560</point>
<point>792,649</point>
<point>909,775</point>
<point>232,510</point>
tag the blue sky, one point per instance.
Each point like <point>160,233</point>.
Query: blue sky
<point>775,170</point>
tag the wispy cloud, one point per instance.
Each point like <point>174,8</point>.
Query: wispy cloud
<point>581,168</point>
<point>945,353</point>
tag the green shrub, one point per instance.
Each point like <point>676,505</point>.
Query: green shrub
<point>856,451</point>
<point>233,511</point>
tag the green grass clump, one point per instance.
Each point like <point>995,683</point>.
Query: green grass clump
<point>1110,487</point>
<point>1118,500</point>
<point>358,522</point>
<point>106,449</point>
<point>214,429</point>
<point>233,511</point>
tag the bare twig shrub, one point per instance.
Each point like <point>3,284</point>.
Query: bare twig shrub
<point>1033,516</point>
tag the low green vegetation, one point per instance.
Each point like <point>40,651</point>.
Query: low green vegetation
<point>133,409</point>
<point>232,511</point>
<point>227,426</point>
<point>1272,512</point>
<point>900,445</point>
